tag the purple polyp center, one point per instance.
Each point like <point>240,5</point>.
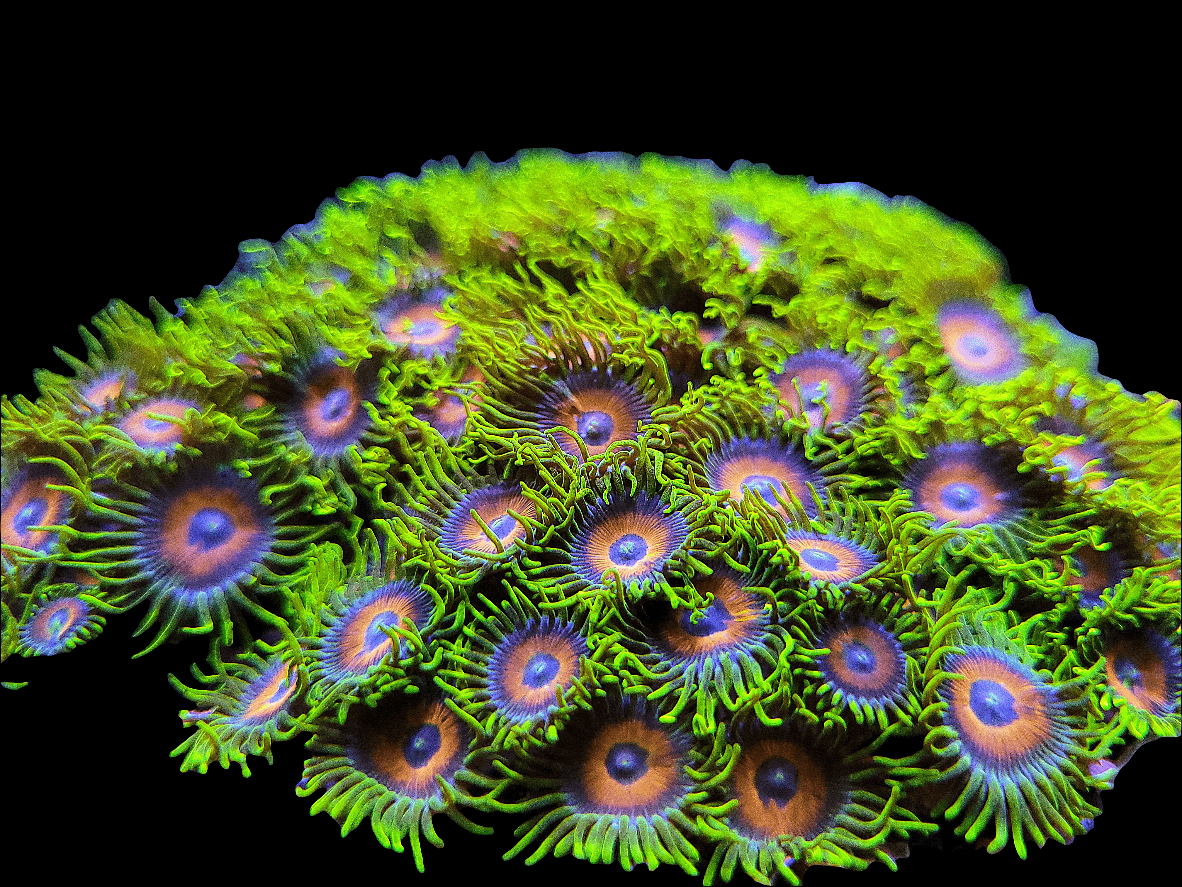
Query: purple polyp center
<point>776,781</point>
<point>859,658</point>
<point>59,621</point>
<point>1074,471</point>
<point>992,703</point>
<point>595,427</point>
<point>626,762</point>
<point>818,559</point>
<point>502,525</point>
<point>977,346</point>
<point>420,747</point>
<point>335,405</point>
<point>280,692</point>
<point>210,528</point>
<point>812,392</point>
<point>1128,672</point>
<point>374,635</point>
<point>713,620</point>
<point>628,550</point>
<point>541,669</point>
<point>960,497</point>
<point>765,486</point>
<point>31,515</point>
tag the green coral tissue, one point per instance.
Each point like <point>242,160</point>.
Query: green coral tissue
<point>613,508</point>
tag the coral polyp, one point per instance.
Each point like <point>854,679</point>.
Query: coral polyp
<point>157,424</point>
<point>964,482</point>
<point>631,538</point>
<point>616,784</point>
<point>416,322</point>
<point>718,522</point>
<point>768,469</point>
<point>32,506</point>
<point>978,343</point>
<point>1010,744</point>
<point>598,411</point>
<point>826,387</point>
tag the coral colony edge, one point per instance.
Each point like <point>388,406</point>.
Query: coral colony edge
<point>723,521</point>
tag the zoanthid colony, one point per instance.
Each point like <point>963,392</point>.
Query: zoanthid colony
<point>719,522</point>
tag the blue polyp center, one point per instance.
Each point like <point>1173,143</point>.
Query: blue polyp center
<point>810,393</point>
<point>992,703</point>
<point>1128,672</point>
<point>626,762</point>
<point>280,691</point>
<point>374,636</point>
<point>425,329</point>
<point>59,621</point>
<point>859,658</point>
<point>211,528</point>
<point>595,427</point>
<point>765,485</point>
<point>32,513</point>
<point>714,619</point>
<point>1064,459</point>
<point>541,669</point>
<point>420,747</point>
<point>815,414</point>
<point>960,497</point>
<point>976,346</point>
<point>776,781</point>
<point>628,550</point>
<point>337,404</point>
<point>157,425</point>
<point>502,525</point>
<point>819,559</point>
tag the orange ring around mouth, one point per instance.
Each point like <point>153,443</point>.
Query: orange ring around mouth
<point>31,503</point>
<point>782,789</point>
<point>1001,709</point>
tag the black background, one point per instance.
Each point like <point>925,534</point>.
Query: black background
<point>137,214</point>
